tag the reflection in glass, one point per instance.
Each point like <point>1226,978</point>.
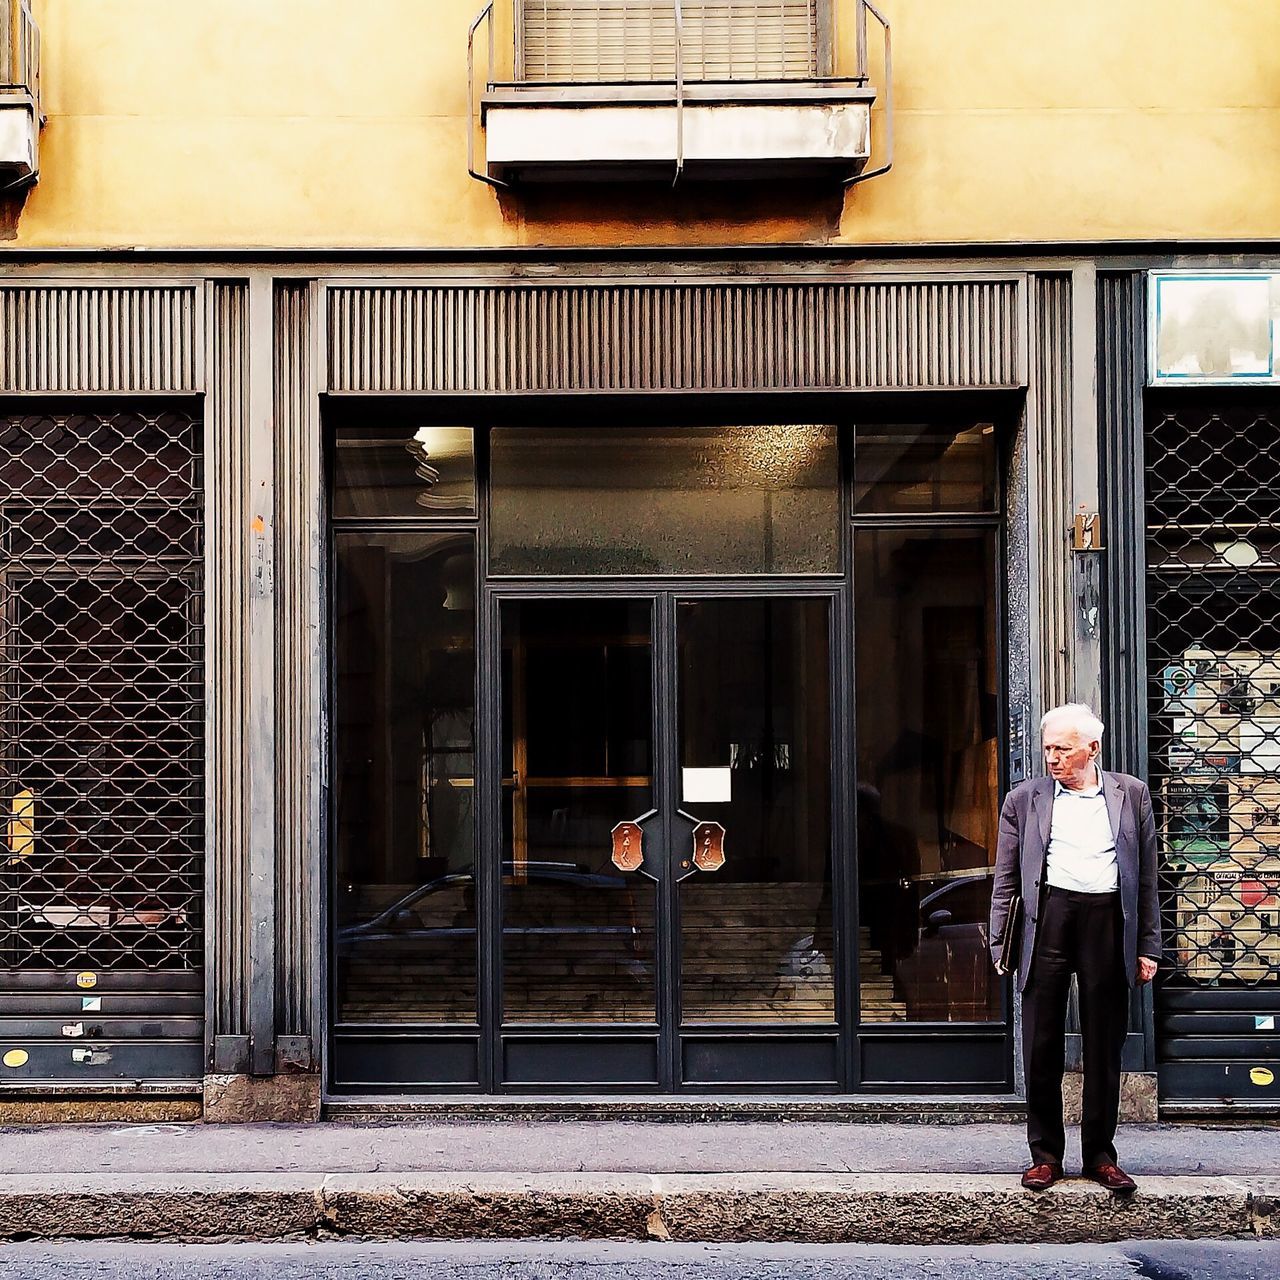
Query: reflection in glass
<point>404,899</point>
<point>1215,327</point>
<point>927,772</point>
<point>755,754</point>
<point>590,500</point>
<point>394,469</point>
<point>917,467</point>
<point>577,700</point>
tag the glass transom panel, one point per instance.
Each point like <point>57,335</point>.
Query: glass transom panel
<point>665,500</point>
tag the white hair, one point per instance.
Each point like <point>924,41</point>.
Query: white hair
<point>1081,718</point>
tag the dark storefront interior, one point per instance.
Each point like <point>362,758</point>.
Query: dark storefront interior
<point>665,756</point>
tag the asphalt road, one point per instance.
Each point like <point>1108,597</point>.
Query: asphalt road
<point>348,1260</point>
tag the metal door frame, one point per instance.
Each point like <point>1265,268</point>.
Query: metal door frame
<point>838,586</point>
<point>662,594</point>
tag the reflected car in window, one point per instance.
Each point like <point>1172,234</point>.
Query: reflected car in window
<point>949,976</point>
<point>444,908</point>
<point>416,915</point>
<point>561,922</point>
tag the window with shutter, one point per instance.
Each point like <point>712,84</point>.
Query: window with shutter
<point>601,41</point>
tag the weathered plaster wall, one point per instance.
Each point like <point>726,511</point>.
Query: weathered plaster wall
<point>314,123</point>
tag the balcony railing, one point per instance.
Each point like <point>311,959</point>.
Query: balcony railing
<point>19,48</point>
<point>20,115</point>
<point>677,54</point>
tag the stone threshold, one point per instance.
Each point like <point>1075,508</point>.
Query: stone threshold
<point>680,1109</point>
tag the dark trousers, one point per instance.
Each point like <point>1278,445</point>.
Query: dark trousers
<point>1080,933</point>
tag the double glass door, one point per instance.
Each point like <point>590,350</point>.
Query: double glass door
<point>664,796</point>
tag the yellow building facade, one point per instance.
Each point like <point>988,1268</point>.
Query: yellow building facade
<point>315,124</point>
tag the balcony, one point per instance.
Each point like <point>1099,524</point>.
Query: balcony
<point>665,90</point>
<point>19,94</point>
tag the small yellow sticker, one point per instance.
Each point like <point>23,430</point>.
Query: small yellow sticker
<point>16,1058</point>
<point>86,979</point>
<point>22,824</point>
<point>1262,1076</point>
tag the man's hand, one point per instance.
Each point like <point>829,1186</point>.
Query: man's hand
<point>1146,969</point>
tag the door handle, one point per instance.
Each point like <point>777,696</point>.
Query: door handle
<point>634,844</point>
<point>708,846</point>
<point>699,845</point>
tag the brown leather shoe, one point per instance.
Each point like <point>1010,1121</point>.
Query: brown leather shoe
<point>1113,1177</point>
<point>1040,1177</point>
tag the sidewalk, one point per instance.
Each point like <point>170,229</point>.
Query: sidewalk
<point>809,1182</point>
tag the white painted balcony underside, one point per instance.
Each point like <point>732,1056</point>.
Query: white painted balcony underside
<point>18,131</point>
<point>748,138</point>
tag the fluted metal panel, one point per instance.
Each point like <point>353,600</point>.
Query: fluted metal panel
<point>299,659</point>
<point>658,337</point>
<point>93,338</point>
<point>1049,464</point>
<point>227,663</point>
<point>1121,347</point>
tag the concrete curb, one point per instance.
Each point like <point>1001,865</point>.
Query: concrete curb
<point>731,1208</point>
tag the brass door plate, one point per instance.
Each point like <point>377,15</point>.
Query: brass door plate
<point>628,846</point>
<point>708,846</point>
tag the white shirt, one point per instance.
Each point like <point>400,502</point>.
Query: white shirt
<point>1082,849</point>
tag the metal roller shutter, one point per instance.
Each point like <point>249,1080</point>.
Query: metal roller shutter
<point>101,747</point>
<point>602,41</point>
<point>1213,557</point>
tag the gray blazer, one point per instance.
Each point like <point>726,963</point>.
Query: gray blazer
<point>1025,820</point>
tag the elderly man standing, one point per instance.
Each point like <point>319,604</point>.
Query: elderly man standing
<point>1080,848</point>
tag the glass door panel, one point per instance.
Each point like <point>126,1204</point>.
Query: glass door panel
<point>578,926</point>
<point>928,772</point>
<point>404,722</point>
<point>754,735</point>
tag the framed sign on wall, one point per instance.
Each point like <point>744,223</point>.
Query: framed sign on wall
<point>1213,327</point>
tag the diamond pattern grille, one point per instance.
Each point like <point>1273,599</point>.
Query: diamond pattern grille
<point>101,692</point>
<point>1213,594</point>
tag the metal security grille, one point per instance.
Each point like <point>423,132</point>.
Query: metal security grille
<point>1213,556</point>
<point>603,41</point>
<point>101,745</point>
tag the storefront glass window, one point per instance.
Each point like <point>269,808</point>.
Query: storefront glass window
<point>403,469</point>
<point>913,467</point>
<point>404,778</point>
<point>928,771</point>
<point>664,500</point>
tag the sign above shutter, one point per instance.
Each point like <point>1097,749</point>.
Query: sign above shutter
<point>1215,327</point>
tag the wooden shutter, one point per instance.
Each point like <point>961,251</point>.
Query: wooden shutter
<point>599,41</point>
